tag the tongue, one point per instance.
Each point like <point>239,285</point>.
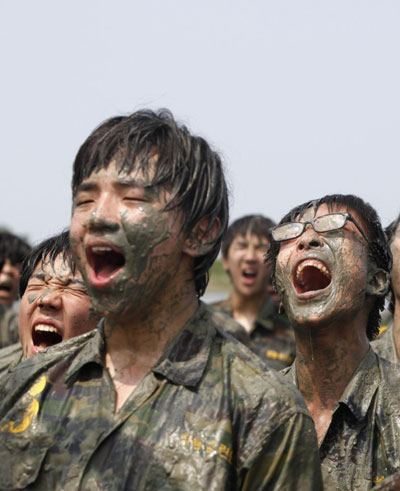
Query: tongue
<point>313,279</point>
<point>43,340</point>
<point>107,264</point>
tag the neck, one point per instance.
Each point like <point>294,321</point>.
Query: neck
<point>326,360</point>
<point>247,308</point>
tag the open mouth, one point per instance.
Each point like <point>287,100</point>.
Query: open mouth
<point>249,274</point>
<point>5,287</point>
<point>44,336</point>
<point>105,261</point>
<point>311,275</point>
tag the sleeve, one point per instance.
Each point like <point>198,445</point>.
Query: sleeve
<point>288,460</point>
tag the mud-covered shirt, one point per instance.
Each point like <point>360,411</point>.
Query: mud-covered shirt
<point>208,416</point>
<point>362,445</point>
<point>10,356</point>
<point>271,337</point>
<point>385,344</point>
<point>8,326</point>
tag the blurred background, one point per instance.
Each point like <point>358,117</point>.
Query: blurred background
<point>301,98</point>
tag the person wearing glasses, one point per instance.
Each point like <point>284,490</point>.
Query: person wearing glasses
<point>331,262</point>
<point>388,343</point>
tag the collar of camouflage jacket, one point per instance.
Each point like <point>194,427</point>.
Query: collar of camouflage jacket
<point>183,363</point>
<point>360,390</point>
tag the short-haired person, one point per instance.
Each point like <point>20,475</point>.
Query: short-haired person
<point>388,344</point>
<point>159,396</point>
<point>331,263</point>
<point>13,250</point>
<point>54,301</point>
<point>260,325</point>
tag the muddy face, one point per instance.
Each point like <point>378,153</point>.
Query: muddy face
<point>54,307</point>
<point>245,264</point>
<point>126,247</point>
<point>9,276</point>
<point>323,277</point>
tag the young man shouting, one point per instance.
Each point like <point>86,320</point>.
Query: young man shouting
<point>331,262</point>
<point>159,397</point>
<point>251,303</point>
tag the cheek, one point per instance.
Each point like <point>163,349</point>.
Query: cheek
<point>76,318</point>
<point>25,312</point>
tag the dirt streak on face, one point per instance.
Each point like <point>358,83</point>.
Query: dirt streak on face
<point>126,245</point>
<point>336,278</point>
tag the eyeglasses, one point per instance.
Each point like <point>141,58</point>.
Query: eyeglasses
<point>324,223</point>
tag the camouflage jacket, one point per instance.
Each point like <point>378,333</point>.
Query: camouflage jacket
<point>271,338</point>
<point>8,326</point>
<point>208,416</point>
<point>385,345</point>
<point>9,357</point>
<point>362,444</point>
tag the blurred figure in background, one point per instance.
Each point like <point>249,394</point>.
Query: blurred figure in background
<point>13,250</point>
<point>253,303</point>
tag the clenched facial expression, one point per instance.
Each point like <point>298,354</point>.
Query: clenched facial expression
<point>9,276</point>
<point>54,307</point>
<point>245,264</point>
<point>321,277</point>
<point>127,247</point>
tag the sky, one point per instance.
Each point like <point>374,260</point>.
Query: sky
<point>300,98</point>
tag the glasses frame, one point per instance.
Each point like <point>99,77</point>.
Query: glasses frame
<point>348,217</point>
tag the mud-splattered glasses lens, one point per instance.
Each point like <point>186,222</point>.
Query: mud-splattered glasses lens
<point>324,223</point>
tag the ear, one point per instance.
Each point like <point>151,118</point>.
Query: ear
<point>201,238</point>
<point>378,282</point>
<point>224,262</point>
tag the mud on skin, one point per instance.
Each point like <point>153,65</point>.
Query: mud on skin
<point>139,278</point>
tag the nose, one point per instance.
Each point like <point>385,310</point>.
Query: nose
<point>310,239</point>
<point>103,216</point>
<point>250,254</point>
<point>50,299</point>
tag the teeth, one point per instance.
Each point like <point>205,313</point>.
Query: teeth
<point>315,264</point>
<point>101,249</point>
<point>46,328</point>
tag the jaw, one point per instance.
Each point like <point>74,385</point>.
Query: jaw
<point>307,293</point>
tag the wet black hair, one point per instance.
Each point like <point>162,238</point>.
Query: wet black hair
<point>254,224</point>
<point>47,251</point>
<point>13,248</point>
<point>378,246</point>
<point>390,232</point>
<point>185,165</point>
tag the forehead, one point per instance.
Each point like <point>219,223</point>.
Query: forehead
<point>140,171</point>
<point>60,269</point>
<point>250,237</point>
<point>324,209</point>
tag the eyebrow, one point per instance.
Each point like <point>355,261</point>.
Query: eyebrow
<point>42,277</point>
<point>86,186</point>
<point>149,189</point>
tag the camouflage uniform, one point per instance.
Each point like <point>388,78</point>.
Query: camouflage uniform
<point>362,444</point>
<point>271,338</point>
<point>208,416</point>
<point>9,357</point>
<point>8,326</point>
<point>385,345</point>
